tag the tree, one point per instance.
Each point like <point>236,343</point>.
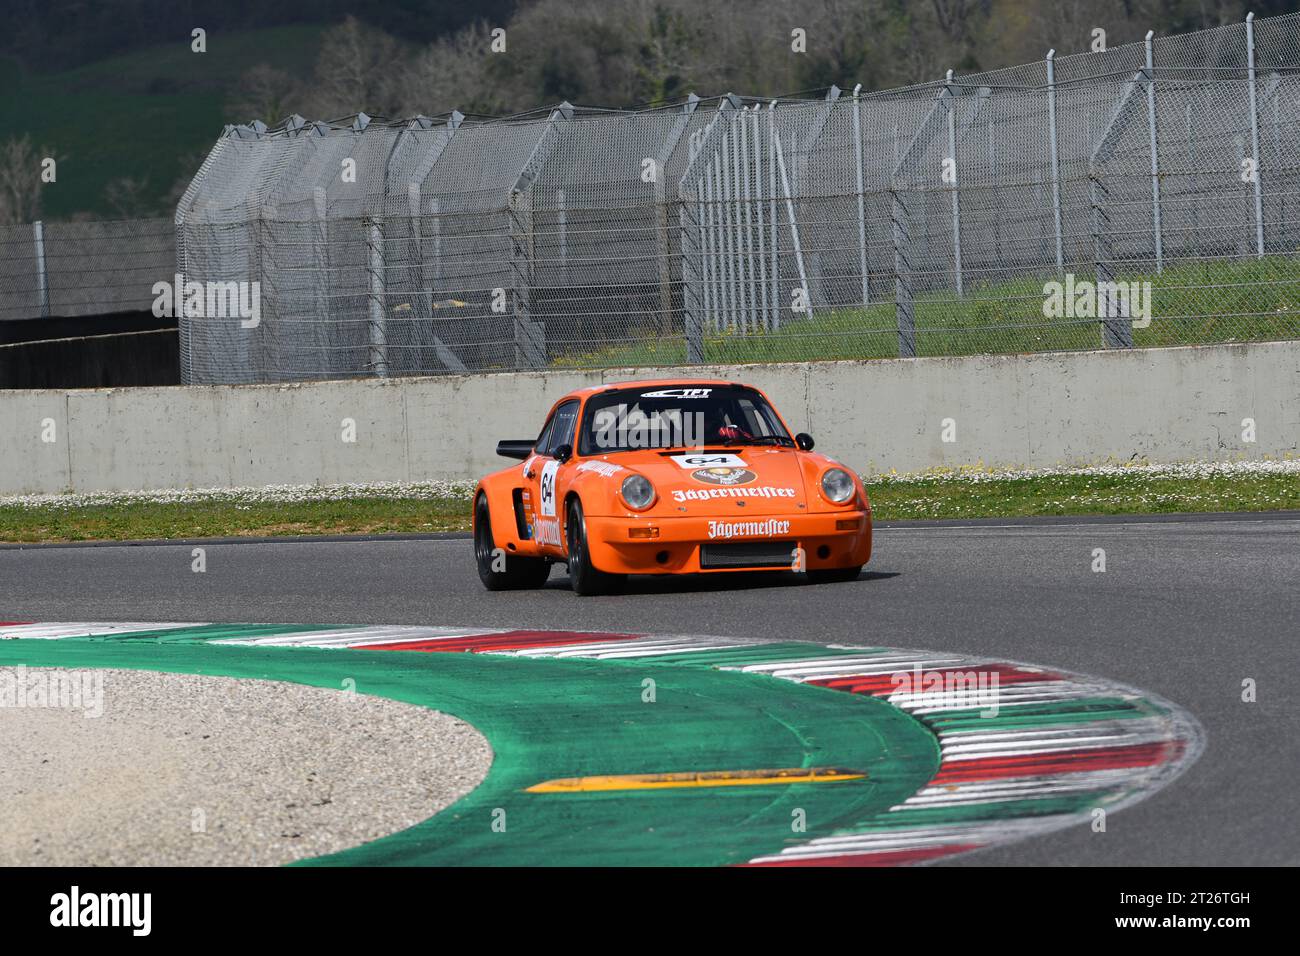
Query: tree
<point>130,198</point>
<point>452,73</point>
<point>264,93</point>
<point>20,180</point>
<point>356,70</point>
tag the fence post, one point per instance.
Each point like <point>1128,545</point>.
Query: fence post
<point>562,233</point>
<point>530,340</point>
<point>772,217</point>
<point>736,234</point>
<point>750,319</point>
<point>1056,158</point>
<point>727,239</point>
<point>413,280</point>
<point>709,244</point>
<point>1254,136</point>
<point>42,278</point>
<point>927,132</point>
<point>735,174</point>
<point>756,137</point>
<point>1116,331</point>
<point>1155,156</point>
<point>698,286</point>
<point>1239,143</point>
<point>662,217</point>
<point>862,211</point>
<point>717,245</point>
<point>1279,234</point>
<point>663,248</point>
<point>435,224</point>
<point>1196,184</point>
<point>242,353</point>
<point>320,276</point>
<point>529,335</point>
<point>690,225</point>
<point>903,306</point>
<point>794,231</point>
<point>1114,334</point>
<point>377,325</point>
<point>993,177</point>
<point>956,186</point>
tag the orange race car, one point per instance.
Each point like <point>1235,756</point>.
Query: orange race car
<point>667,477</point>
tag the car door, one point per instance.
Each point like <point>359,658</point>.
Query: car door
<point>542,475</point>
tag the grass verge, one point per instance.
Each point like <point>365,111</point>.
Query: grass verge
<point>445,506</point>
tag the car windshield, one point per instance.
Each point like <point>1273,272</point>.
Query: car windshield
<point>679,417</point>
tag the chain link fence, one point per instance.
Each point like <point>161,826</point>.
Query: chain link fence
<point>83,268</point>
<point>1145,195</point>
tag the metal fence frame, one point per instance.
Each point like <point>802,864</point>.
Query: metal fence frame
<point>74,269</point>
<point>589,237</point>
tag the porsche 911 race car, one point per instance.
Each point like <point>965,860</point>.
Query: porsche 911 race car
<point>667,477</point>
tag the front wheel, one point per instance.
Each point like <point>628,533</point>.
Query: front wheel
<point>583,576</point>
<point>834,575</point>
<point>498,570</point>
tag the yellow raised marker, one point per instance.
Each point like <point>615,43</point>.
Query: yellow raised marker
<point>705,778</point>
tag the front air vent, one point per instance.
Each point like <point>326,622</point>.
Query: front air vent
<point>747,554</point>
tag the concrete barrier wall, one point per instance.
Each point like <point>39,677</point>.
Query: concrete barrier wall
<point>1008,410</point>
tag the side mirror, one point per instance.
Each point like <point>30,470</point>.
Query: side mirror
<point>563,453</point>
<point>519,448</point>
<point>804,441</point>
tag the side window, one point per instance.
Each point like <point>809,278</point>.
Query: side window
<point>566,421</point>
<point>539,446</point>
<point>558,430</point>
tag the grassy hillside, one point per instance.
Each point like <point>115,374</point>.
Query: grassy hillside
<point>144,115</point>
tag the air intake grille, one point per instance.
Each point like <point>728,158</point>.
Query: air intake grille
<point>748,554</point>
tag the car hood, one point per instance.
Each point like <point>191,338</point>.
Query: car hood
<point>767,480</point>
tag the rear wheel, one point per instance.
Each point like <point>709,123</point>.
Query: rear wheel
<point>833,575</point>
<point>498,570</point>
<point>583,576</point>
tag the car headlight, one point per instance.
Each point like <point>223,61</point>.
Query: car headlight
<point>837,485</point>
<point>637,492</point>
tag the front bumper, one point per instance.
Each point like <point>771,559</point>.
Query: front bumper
<point>672,545</point>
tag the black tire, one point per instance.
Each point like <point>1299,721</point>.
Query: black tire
<point>834,575</point>
<point>584,578</point>
<point>519,572</point>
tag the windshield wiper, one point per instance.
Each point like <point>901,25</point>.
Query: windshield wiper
<point>763,440</point>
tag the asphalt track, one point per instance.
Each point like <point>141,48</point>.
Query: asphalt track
<point>1186,609</point>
